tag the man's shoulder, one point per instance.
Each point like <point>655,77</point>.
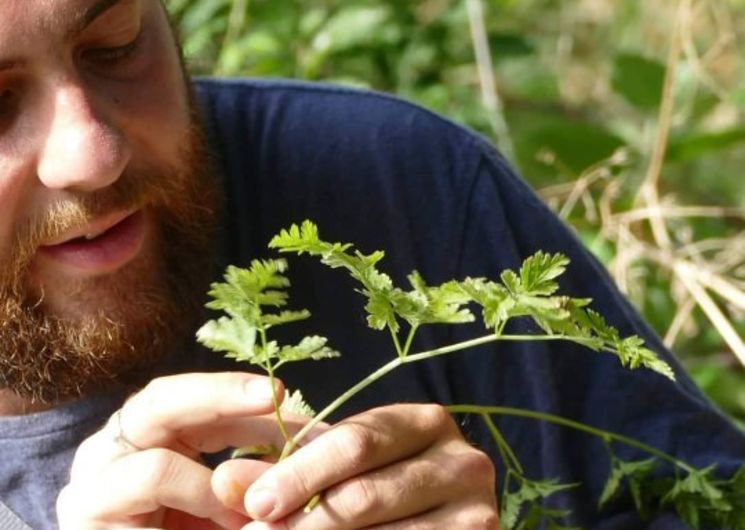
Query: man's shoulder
<point>311,112</point>
<point>341,156</point>
<point>265,92</point>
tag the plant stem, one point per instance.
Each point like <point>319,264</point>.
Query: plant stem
<point>399,361</point>
<point>396,343</point>
<point>409,339</point>
<point>508,455</point>
<point>276,405</point>
<point>565,422</point>
<point>339,401</point>
<point>275,402</point>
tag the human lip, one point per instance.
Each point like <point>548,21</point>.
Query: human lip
<point>90,230</point>
<point>101,246</point>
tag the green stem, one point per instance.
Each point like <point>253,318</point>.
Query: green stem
<point>396,342</point>
<point>565,422</point>
<point>277,407</point>
<point>409,340</point>
<point>275,402</point>
<point>508,455</point>
<point>399,361</point>
<point>339,401</point>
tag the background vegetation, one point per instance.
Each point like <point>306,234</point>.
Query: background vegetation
<point>627,116</point>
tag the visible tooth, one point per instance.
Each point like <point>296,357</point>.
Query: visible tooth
<point>91,236</point>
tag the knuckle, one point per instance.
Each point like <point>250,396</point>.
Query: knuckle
<point>356,499</point>
<point>481,519</point>
<point>159,468</point>
<point>154,388</point>
<point>477,466</point>
<point>355,443</point>
<point>435,416</point>
<point>297,480</point>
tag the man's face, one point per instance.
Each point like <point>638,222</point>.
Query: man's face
<point>104,193</point>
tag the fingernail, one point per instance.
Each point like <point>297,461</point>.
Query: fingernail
<point>259,391</point>
<point>260,504</point>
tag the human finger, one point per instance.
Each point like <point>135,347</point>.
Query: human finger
<point>229,400</point>
<point>443,474</point>
<point>153,416</point>
<point>238,432</point>
<point>483,516</point>
<point>232,478</point>
<point>130,489</point>
<point>364,442</point>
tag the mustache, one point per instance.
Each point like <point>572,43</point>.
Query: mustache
<point>76,210</point>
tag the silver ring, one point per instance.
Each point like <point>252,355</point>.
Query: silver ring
<point>120,438</point>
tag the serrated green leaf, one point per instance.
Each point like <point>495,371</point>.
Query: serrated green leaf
<point>601,328</point>
<point>612,485</point>
<point>511,281</point>
<point>284,317</point>
<point>537,515</point>
<point>244,291</point>
<point>633,355</point>
<point>530,491</point>
<point>294,403</point>
<point>313,347</point>
<point>297,238</point>
<point>634,471</point>
<point>376,286</point>
<point>699,482</point>
<point>538,272</point>
<point>232,335</point>
<point>424,304</point>
<point>510,510</point>
<point>380,312</point>
<point>701,497</point>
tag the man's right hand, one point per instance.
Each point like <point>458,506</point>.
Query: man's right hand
<point>143,468</point>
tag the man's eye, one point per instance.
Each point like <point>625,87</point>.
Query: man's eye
<point>8,107</point>
<point>113,55</point>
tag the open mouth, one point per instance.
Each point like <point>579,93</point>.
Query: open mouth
<point>105,247</point>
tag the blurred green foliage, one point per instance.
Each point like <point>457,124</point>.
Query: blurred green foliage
<point>581,84</point>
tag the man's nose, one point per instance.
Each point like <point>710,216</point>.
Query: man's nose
<point>81,150</point>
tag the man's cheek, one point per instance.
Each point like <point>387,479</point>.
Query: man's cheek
<point>155,107</point>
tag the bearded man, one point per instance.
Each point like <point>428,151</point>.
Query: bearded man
<point>125,187</point>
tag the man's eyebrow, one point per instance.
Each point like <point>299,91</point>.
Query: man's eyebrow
<point>92,13</point>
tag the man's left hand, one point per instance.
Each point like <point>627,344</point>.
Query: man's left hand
<point>391,468</point>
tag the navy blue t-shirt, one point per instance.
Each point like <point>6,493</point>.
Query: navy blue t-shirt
<point>386,174</point>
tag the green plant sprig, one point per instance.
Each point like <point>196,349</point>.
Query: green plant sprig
<point>695,494</point>
<point>243,333</point>
<point>246,295</point>
<point>527,293</point>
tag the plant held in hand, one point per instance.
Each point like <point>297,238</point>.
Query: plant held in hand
<point>248,297</point>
